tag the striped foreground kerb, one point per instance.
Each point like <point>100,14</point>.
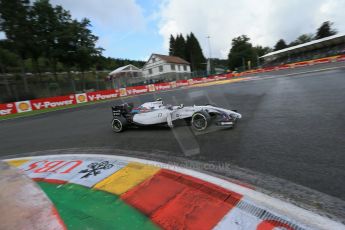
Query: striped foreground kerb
<point>110,192</point>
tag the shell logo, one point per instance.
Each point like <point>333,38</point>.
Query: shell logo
<point>173,84</point>
<point>81,98</point>
<point>23,106</point>
<point>123,92</point>
<point>151,88</point>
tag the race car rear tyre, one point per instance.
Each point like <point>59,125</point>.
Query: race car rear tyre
<point>118,124</point>
<point>200,120</point>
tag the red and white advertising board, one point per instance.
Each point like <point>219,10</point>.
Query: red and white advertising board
<point>162,86</point>
<point>52,102</point>
<point>137,90</point>
<point>340,58</point>
<point>103,95</point>
<point>224,76</point>
<point>197,80</point>
<point>7,109</point>
<point>322,60</point>
<point>182,83</point>
<point>299,64</point>
<point>208,79</point>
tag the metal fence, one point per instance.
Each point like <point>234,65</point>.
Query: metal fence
<point>17,87</point>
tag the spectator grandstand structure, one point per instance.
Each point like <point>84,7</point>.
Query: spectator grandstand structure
<point>324,47</point>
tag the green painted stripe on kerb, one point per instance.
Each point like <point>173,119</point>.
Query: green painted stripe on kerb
<point>84,208</point>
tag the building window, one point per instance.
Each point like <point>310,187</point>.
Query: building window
<point>160,68</point>
<point>179,67</point>
<point>153,59</point>
<point>172,67</point>
<point>185,68</point>
<point>150,71</point>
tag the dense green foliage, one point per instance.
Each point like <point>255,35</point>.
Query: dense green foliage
<point>243,55</point>
<point>325,30</point>
<point>43,38</point>
<point>281,44</point>
<point>188,49</point>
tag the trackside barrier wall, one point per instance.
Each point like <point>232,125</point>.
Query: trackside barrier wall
<point>72,99</point>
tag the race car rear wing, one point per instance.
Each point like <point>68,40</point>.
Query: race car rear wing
<point>122,109</point>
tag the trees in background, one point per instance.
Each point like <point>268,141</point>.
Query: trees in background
<point>281,44</point>
<point>193,53</point>
<point>15,22</point>
<point>171,45</point>
<point>243,55</point>
<point>188,49</point>
<point>325,30</point>
<point>302,39</point>
<point>41,38</point>
<point>179,47</point>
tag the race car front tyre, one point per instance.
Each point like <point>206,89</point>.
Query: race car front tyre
<point>118,124</point>
<point>200,120</point>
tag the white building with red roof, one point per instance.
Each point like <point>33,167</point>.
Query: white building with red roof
<point>162,66</point>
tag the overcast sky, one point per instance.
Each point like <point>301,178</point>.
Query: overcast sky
<point>136,28</point>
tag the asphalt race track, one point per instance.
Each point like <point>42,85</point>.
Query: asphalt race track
<point>293,127</point>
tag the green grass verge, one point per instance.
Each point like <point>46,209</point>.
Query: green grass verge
<point>41,111</point>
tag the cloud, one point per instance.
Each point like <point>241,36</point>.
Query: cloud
<point>111,15</point>
<point>2,35</point>
<point>113,21</point>
<point>264,21</point>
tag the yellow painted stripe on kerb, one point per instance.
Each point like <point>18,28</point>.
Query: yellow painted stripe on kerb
<point>219,82</point>
<point>17,163</point>
<point>126,178</point>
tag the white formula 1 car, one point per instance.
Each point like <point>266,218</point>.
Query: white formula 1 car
<point>155,113</point>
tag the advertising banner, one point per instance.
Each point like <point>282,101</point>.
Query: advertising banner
<point>137,90</point>
<point>341,58</point>
<point>52,102</point>
<point>298,64</point>
<point>181,83</point>
<point>103,95</point>
<point>197,80</point>
<point>162,86</point>
<point>322,60</point>
<point>6,109</point>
